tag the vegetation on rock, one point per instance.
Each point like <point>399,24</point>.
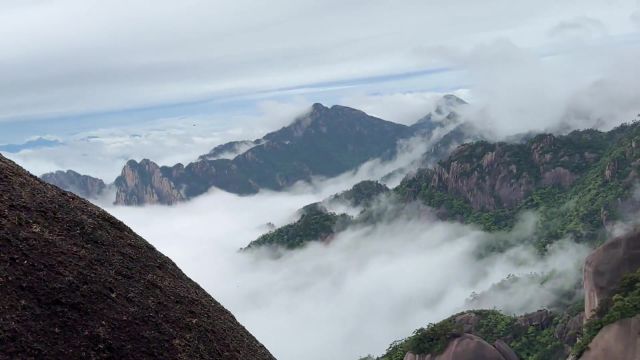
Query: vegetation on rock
<point>624,304</point>
<point>315,224</point>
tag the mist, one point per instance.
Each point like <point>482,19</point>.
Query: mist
<point>354,295</point>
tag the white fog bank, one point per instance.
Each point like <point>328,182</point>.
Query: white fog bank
<point>354,296</point>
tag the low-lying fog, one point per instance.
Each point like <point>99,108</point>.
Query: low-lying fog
<point>354,296</point>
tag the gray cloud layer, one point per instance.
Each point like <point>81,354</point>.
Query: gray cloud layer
<point>69,56</point>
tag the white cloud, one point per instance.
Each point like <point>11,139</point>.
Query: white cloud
<point>405,108</point>
<point>578,29</point>
<point>514,90</point>
<point>635,18</point>
<point>369,286</point>
<point>68,56</point>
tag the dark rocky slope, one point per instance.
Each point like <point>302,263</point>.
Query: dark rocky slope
<point>84,186</point>
<point>77,283</point>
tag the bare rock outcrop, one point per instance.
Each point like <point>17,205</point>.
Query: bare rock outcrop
<point>617,341</point>
<point>76,283</point>
<point>606,265</point>
<point>84,186</point>
<point>469,347</point>
<point>144,183</point>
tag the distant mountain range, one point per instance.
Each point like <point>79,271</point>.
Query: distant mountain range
<point>324,142</point>
<point>36,143</point>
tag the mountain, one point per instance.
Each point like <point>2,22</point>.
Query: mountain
<point>324,142</point>
<point>77,283</point>
<point>82,185</point>
<point>316,222</point>
<point>36,143</point>
<point>610,331</point>
<point>229,150</point>
<point>577,183</point>
<point>446,113</point>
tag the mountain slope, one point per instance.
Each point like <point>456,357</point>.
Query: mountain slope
<point>77,283</point>
<point>575,182</point>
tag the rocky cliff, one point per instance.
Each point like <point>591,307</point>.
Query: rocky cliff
<point>77,283</point>
<point>606,265</point>
<point>617,341</point>
<point>82,185</point>
<point>469,347</point>
<point>144,183</point>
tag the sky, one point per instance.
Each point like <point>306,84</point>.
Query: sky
<point>71,66</point>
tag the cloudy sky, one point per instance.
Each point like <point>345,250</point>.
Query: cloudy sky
<point>168,80</point>
<point>78,65</point>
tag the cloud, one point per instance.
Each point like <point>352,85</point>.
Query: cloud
<point>353,296</point>
<point>579,28</point>
<point>401,107</point>
<point>70,56</point>
<point>515,90</point>
<point>635,18</point>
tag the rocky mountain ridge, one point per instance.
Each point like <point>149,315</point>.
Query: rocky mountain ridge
<point>326,142</point>
<point>575,182</point>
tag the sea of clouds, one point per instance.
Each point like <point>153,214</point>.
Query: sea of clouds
<point>354,295</point>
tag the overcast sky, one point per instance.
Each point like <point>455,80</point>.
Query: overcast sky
<point>79,64</point>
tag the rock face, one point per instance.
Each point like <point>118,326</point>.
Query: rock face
<point>77,283</point>
<point>82,185</point>
<point>469,347</point>
<point>490,176</point>
<point>144,183</point>
<point>606,265</point>
<point>617,341</point>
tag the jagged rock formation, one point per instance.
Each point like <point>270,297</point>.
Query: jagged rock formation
<point>617,341</point>
<point>606,265</point>
<point>469,347</point>
<point>82,185</point>
<point>489,176</point>
<point>324,142</point>
<point>77,283</point>
<point>576,182</point>
<point>144,183</point>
